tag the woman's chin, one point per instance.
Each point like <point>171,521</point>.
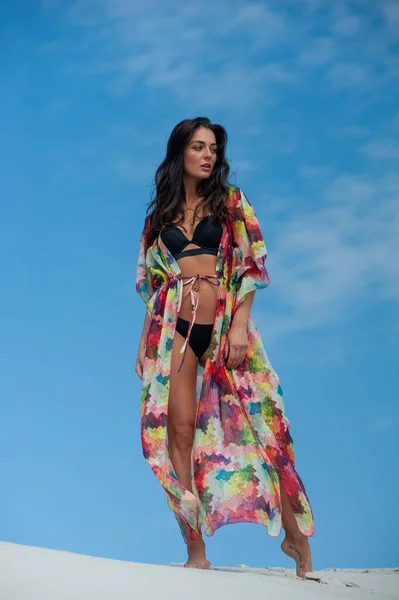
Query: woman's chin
<point>204,175</point>
<point>199,176</point>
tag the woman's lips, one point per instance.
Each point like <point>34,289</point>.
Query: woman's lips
<point>206,167</point>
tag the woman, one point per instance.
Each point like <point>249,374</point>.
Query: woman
<point>213,425</point>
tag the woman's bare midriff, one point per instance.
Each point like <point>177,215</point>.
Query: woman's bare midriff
<point>204,264</point>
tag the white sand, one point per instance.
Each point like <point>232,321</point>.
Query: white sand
<point>29,573</point>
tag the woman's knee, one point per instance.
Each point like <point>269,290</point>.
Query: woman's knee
<point>181,436</point>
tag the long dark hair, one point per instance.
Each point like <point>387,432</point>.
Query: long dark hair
<point>167,204</point>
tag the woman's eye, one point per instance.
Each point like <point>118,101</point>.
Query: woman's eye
<point>213,150</point>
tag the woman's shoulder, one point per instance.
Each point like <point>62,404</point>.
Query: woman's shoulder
<point>147,222</point>
<point>148,230</point>
<point>233,191</point>
<point>234,200</point>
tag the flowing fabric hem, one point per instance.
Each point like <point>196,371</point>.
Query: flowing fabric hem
<point>217,525</point>
<point>210,530</point>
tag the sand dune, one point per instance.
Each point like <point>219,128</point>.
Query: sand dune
<point>30,573</point>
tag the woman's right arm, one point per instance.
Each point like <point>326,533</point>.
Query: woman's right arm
<point>145,328</point>
<point>141,350</point>
<point>145,289</point>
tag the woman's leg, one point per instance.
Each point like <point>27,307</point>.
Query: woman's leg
<point>296,545</point>
<point>181,422</point>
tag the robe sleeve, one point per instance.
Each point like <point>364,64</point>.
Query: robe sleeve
<point>144,283</point>
<point>249,249</point>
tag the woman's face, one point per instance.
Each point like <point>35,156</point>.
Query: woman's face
<point>200,154</point>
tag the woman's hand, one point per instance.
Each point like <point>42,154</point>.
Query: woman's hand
<point>140,359</point>
<point>236,346</point>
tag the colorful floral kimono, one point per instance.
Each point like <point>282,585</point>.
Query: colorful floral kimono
<point>243,450</point>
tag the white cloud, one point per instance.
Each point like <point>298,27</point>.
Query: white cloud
<point>231,54</point>
<point>334,261</point>
<point>385,423</point>
<point>314,171</point>
<point>242,166</point>
<point>382,149</point>
<point>273,206</point>
<point>319,52</point>
<point>134,171</point>
<point>182,47</point>
<point>49,5</point>
<point>354,131</point>
<point>261,20</point>
<point>348,75</point>
<point>391,12</point>
<point>347,25</point>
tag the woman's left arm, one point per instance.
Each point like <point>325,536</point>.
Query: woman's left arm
<point>237,337</point>
<point>241,316</point>
<point>250,274</point>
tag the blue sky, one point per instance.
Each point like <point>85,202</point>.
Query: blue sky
<point>90,92</point>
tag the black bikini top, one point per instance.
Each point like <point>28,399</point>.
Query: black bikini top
<point>207,236</point>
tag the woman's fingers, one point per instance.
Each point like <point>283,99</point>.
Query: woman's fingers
<point>139,368</point>
<point>236,348</point>
<point>226,350</point>
<point>236,356</point>
<point>236,360</point>
<point>232,357</point>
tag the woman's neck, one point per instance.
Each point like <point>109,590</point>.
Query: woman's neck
<point>190,191</point>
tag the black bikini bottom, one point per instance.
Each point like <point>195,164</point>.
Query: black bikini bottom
<point>200,336</point>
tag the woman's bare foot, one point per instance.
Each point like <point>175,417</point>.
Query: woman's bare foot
<point>299,550</point>
<point>196,555</point>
